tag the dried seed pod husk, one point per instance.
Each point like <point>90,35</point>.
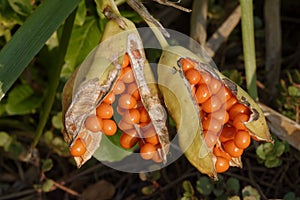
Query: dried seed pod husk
<point>96,77</point>
<point>171,81</point>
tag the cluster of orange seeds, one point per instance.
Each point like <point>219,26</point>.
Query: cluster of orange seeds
<point>222,116</point>
<point>135,122</point>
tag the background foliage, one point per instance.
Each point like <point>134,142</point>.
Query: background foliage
<point>35,162</point>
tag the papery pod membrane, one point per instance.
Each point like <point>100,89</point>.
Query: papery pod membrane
<point>96,77</point>
<point>184,110</point>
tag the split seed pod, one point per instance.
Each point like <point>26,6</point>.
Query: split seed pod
<point>196,103</point>
<point>97,78</point>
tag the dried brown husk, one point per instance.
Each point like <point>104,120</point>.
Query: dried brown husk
<point>185,111</point>
<point>96,77</point>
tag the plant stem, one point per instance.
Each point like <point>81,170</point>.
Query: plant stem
<point>249,47</point>
<point>55,76</point>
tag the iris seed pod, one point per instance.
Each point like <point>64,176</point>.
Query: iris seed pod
<point>182,105</point>
<point>96,79</point>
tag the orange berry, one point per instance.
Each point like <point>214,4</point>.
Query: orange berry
<point>78,148</point>
<point>132,116</point>
<point>221,115</point>
<point>126,101</point>
<point>205,78</point>
<point>124,126</point>
<point>211,124</point>
<point>232,149</point>
<point>144,118</point>
<point>147,151</point>
<point>132,89</point>
<point>210,139</point>
<point>229,103</point>
<point>227,133</point>
<point>221,165</point>
<point>211,105</point>
<point>193,76</point>
<point>110,98</point>
<point>202,93</point>
<point>238,108</point>
<point>119,87</point>
<point>126,61</point>
<point>93,123</point>
<point>121,111</point>
<point>127,76</point>
<point>152,140</point>
<point>214,86</point>
<point>239,121</point>
<point>186,64</point>
<point>156,157</point>
<point>109,127</point>
<point>127,141</point>
<point>242,139</point>
<point>105,111</point>
<point>217,151</point>
<point>224,94</point>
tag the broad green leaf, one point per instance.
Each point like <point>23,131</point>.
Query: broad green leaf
<point>280,147</point>
<point>83,39</point>
<point>5,139</point>
<point>22,7</point>
<point>205,186</point>
<point>294,91</point>
<point>47,185</point>
<point>250,192</point>
<point>187,186</point>
<point>48,136</point>
<point>30,38</point>
<point>47,165</point>
<point>233,184</point>
<point>110,152</point>
<point>80,14</point>
<point>22,100</point>
<point>270,163</point>
<point>57,121</point>
<point>8,17</point>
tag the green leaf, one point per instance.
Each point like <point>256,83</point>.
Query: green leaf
<point>30,38</point>
<point>280,148</point>
<point>48,136</point>
<point>205,186</point>
<point>148,190</point>
<point>218,192</point>
<point>81,14</point>
<point>47,185</point>
<point>47,165</point>
<point>233,184</point>
<point>294,91</point>
<point>22,100</point>
<point>108,151</point>
<point>250,192</point>
<point>22,7</point>
<point>187,186</point>
<point>57,121</point>
<point>270,163</point>
<point>5,139</point>
<point>83,39</point>
<point>8,17</point>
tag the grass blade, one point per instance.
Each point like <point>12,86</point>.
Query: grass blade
<point>30,38</point>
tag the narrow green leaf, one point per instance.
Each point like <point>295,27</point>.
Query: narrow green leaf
<point>249,46</point>
<point>30,38</point>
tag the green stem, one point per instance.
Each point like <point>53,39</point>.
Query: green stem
<point>55,76</point>
<point>249,47</point>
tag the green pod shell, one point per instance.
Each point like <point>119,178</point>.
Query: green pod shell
<point>185,111</point>
<point>96,77</point>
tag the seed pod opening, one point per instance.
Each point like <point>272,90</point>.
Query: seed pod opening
<point>228,118</point>
<point>115,80</point>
